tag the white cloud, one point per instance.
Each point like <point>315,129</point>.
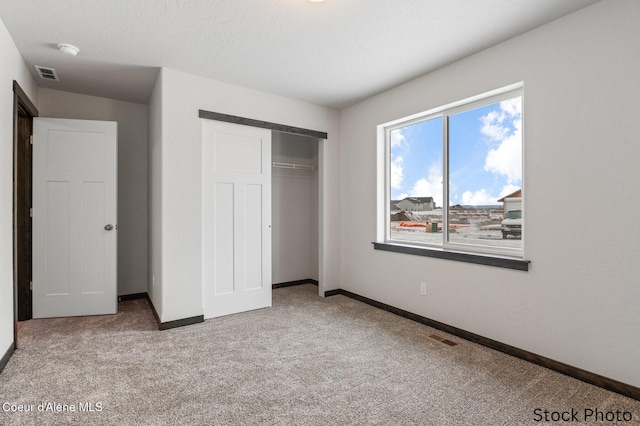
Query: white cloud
<point>396,172</point>
<point>482,197</point>
<point>430,186</point>
<point>506,158</point>
<point>512,107</point>
<point>492,125</point>
<point>478,198</point>
<point>508,189</point>
<point>397,138</point>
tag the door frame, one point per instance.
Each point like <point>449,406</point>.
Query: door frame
<point>21,104</point>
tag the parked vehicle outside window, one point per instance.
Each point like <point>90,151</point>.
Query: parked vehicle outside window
<point>512,224</point>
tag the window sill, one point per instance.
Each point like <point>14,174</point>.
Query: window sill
<point>500,262</point>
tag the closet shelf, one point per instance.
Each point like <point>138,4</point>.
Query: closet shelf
<point>291,166</point>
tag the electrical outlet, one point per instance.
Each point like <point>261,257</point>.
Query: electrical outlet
<point>423,289</point>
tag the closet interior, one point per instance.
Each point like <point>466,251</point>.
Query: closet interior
<point>294,189</point>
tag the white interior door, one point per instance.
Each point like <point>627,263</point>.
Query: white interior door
<point>74,217</point>
<point>236,218</point>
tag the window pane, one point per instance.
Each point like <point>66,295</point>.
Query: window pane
<point>416,182</point>
<point>485,175</point>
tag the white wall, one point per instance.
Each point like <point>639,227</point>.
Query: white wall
<point>181,173</point>
<point>12,68</point>
<point>294,207</point>
<point>132,122</point>
<point>578,304</point>
<point>154,287</point>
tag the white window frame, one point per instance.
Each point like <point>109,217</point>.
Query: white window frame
<point>384,175</point>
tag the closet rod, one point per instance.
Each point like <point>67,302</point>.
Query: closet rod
<point>291,166</point>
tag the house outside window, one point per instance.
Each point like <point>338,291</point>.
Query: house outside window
<point>416,204</point>
<point>453,177</point>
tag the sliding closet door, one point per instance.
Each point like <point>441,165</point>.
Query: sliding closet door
<point>236,218</point>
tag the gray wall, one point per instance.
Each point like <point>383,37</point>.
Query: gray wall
<point>578,304</point>
<point>12,68</point>
<point>132,174</point>
<point>155,196</point>
<point>177,181</point>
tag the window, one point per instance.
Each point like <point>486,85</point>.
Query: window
<point>453,177</point>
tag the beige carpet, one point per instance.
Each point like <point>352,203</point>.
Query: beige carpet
<point>305,361</point>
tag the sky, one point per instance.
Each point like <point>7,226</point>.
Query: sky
<point>485,156</point>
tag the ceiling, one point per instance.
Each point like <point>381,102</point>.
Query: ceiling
<point>332,53</point>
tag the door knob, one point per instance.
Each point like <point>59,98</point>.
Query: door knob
<point>108,227</point>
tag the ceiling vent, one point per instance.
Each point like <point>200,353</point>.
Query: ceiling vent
<point>47,73</point>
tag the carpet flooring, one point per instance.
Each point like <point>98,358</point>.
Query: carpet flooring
<point>305,361</point>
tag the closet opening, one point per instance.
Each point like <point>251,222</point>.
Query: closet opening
<point>295,209</point>
<point>297,200</point>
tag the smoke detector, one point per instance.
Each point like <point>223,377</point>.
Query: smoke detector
<point>68,49</point>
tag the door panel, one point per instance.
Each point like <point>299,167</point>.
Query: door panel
<point>75,151</point>
<point>93,220</point>
<point>223,241</point>
<point>253,237</point>
<point>74,198</point>
<point>236,218</point>
<point>58,232</point>
<point>237,153</point>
